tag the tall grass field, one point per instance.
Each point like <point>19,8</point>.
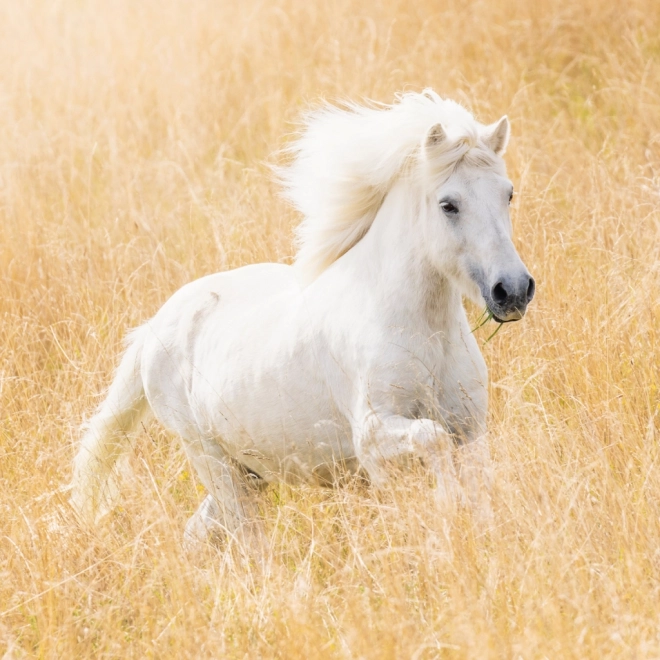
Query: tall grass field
<point>136,140</point>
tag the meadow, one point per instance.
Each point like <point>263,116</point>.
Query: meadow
<point>135,143</point>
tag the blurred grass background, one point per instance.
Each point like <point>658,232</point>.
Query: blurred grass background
<point>134,143</point>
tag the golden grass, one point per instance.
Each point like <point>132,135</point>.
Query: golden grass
<point>133,142</point>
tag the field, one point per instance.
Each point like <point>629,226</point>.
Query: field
<point>135,142</point>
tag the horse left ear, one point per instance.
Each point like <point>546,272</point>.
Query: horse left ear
<point>434,141</point>
<point>496,136</point>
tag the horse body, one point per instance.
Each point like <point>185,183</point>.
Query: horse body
<point>282,379</point>
<point>243,376</point>
<point>268,372</point>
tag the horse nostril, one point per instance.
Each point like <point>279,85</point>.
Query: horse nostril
<point>499,293</point>
<point>531,289</point>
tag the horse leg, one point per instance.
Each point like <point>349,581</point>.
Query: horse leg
<point>204,525</point>
<point>476,474</point>
<point>229,511</point>
<point>382,442</point>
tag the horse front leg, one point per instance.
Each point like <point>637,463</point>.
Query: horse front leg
<point>475,468</point>
<point>385,442</point>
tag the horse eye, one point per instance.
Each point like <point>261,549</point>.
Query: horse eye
<point>510,197</point>
<point>449,208</point>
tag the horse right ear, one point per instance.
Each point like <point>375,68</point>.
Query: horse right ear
<point>434,140</point>
<point>496,136</point>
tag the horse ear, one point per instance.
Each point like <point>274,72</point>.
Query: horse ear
<point>496,136</point>
<point>434,139</point>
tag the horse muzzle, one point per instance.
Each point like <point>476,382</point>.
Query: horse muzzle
<point>508,298</point>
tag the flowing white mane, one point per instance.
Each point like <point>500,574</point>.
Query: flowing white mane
<point>347,159</point>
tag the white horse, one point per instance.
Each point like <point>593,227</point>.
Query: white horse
<point>359,356</point>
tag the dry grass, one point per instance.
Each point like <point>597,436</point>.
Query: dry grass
<point>133,137</point>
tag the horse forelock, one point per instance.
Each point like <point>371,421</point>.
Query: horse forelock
<point>468,150</point>
<point>347,158</point>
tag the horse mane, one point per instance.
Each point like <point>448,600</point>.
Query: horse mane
<point>347,158</point>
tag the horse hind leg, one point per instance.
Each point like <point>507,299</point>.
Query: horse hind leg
<point>95,474</point>
<point>229,511</point>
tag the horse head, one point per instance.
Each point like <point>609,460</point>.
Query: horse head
<point>468,231</point>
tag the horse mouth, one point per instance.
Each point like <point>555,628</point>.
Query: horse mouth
<point>517,317</point>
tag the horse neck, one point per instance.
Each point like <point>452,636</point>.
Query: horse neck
<point>391,261</point>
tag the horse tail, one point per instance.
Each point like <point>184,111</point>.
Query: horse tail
<point>106,437</point>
